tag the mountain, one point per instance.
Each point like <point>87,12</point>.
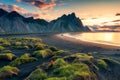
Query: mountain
<point>66,23</point>
<point>14,22</point>
<point>3,12</point>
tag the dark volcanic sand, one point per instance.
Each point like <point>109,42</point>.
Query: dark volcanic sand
<point>73,47</point>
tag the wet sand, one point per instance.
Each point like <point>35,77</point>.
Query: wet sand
<point>87,43</point>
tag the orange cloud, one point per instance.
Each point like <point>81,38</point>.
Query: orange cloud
<point>20,10</point>
<point>18,0</point>
<point>118,14</point>
<point>46,6</point>
<point>10,8</point>
<point>42,4</point>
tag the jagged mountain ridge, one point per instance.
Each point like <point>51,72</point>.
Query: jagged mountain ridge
<point>66,22</point>
<point>3,12</point>
<point>14,22</point>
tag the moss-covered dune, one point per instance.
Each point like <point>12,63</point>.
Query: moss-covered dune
<point>61,70</point>
<point>78,66</point>
<point>22,60</point>
<point>8,71</point>
<point>7,56</point>
<point>21,43</point>
<point>30,59</point>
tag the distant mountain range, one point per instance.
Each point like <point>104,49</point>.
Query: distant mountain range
<point>14,22</point>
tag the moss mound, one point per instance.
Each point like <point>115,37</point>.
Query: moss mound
<point>38,74</point>
<point>101,63</point>
<point>59,52</point>
<point>1,48</point>
<point>8,71</point>
<point>6,51</point>
<point>72,70</point>
<point>59,62</point>
<point>78,57</point>
<point>57,78</point>
<point>39,46</point>
<point>23,59</point>
<point>43,53</point>
<point>7,56</point>
<point>53,48</point>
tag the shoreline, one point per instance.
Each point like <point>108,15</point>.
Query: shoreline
<point>87,43</point>
<point>68,43</point>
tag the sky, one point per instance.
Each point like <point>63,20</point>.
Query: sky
<point>91,12</point>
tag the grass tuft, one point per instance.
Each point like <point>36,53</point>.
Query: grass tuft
<point>38,74</point>
<point>7,56</point>
<point>53,48</point>
<point>23,59</point>
<point>102,63</point>
<point>8,71</point>
<point>1,48</point>
<point>43,53</point>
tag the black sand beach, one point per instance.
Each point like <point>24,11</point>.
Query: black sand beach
<point>71,45</point>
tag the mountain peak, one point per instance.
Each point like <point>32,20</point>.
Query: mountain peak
<point>13,14</point>
<point>3,12</point>
<point>72,15</point>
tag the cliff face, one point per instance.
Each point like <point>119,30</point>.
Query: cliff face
<point>14,22</point>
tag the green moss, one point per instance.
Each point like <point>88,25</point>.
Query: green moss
<point>40,46</point>
<point>102,63</point>
<point>59,62</point>
<point>79,57</point>
<point>6,43</point>
<point>6,51</point>
<point>18,43</point>
<point>2,48</point>
<point>8,71</point>
<point>22,43</point>
<point>55,57</point>
<point>59,52</point>
<point>43,53</point>
<point>6,56</point>
<point>23,59</point>
<point>1,40</point>
<point>62,69</point>
<point>26,47</point>
<point>57,78</point>
<point>38,74</point>
<point>72,70</point>
<point>53,48</point>
<point>20,47</point>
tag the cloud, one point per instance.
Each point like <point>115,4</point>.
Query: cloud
<point>117,14</point>
<point>42,4</point>
<point>10,8</point>
<point>116,21</point>
<point>104,22</point>
<point>18,0</point>
<point>20,10</point>
<point>113,22</point>
<point>94,18</point>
